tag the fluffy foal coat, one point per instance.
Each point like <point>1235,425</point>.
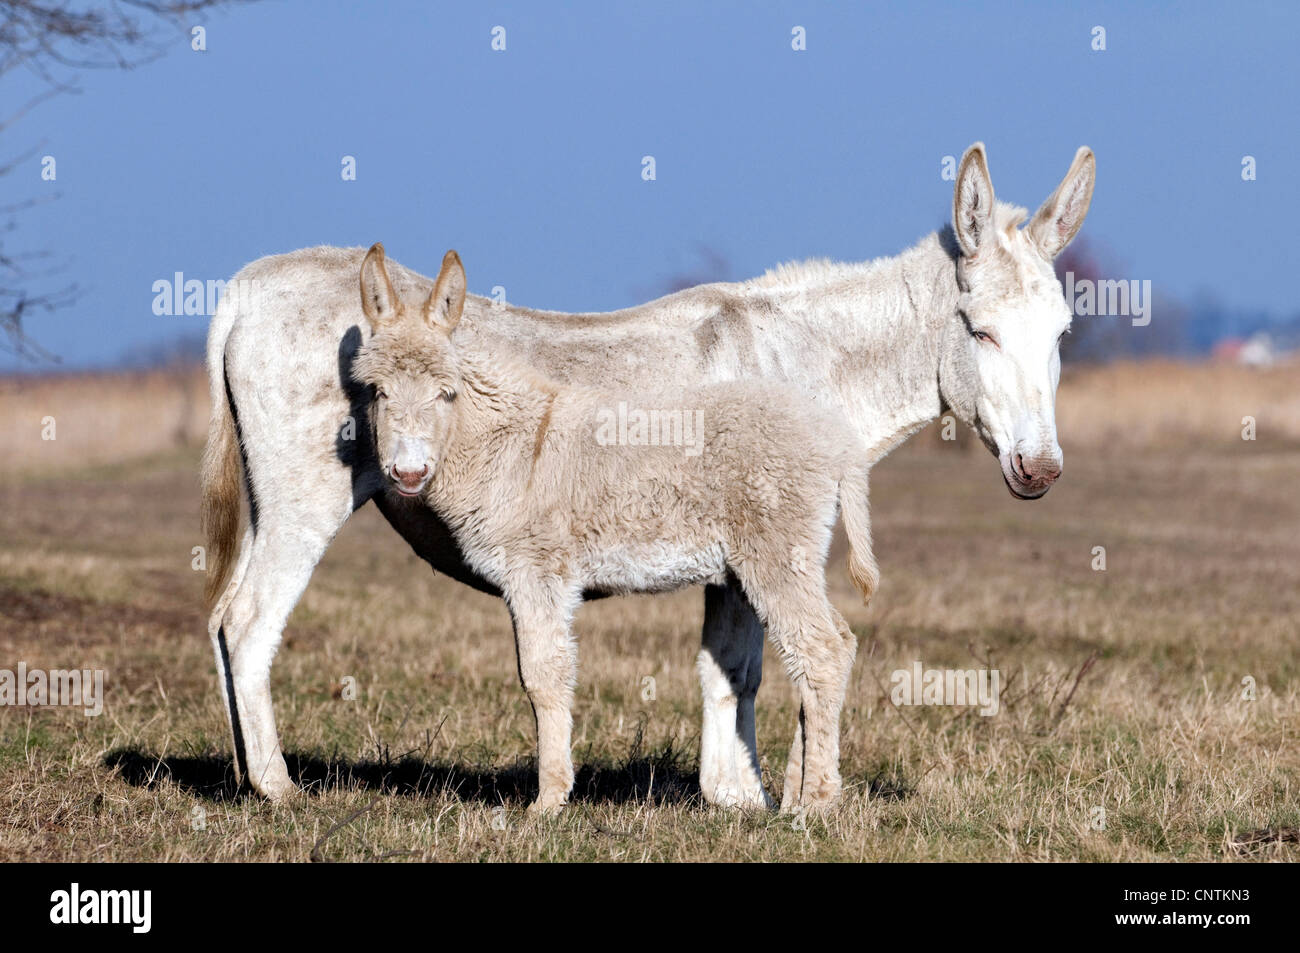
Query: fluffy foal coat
<point>546,508</point>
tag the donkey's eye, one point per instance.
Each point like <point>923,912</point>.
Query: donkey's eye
<point>983,336</point>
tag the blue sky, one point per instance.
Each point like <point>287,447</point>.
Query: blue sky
<point>528,161</point>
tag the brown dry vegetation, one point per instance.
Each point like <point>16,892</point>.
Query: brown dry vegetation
<point>119,416</point>
<point>103,418</point>
<point>432,760</point>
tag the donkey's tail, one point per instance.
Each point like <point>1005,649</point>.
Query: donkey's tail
<point>220,474</point>
<point>855,509</point>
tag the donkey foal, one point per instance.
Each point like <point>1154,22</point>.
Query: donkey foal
<point>546,504</point>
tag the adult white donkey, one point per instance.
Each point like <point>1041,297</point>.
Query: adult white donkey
<point>969,319</point>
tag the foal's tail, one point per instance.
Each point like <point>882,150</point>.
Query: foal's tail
<point>855,509</point>
<point>220,474</point>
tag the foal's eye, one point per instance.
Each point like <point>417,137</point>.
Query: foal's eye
<point>447,394</point>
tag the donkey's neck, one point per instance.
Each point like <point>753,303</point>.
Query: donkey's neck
<point>882,328</point>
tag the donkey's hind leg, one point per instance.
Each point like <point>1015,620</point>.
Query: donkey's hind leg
<point>218,637</point>
<point>277,561</point>
<point>730,667</point>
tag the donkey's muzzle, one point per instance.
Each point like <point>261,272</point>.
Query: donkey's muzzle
<point>1029,477</point>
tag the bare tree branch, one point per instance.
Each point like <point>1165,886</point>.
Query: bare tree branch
<point>54,41</point>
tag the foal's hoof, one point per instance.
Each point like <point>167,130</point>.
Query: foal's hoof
<point>807,808</point>
<point>816,801</point>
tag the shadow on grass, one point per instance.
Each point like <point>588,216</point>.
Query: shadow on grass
<point>657,778</point>
<point>887,786</point>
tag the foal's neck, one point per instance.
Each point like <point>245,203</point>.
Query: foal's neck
<point>498,398</point>
<point>500,410</point>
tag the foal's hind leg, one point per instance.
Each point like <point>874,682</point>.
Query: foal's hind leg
<point>817,650</point>
<point>793,784</point>
<point>731,667</point>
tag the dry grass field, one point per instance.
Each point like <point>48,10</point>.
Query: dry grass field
<point>1123,732</point>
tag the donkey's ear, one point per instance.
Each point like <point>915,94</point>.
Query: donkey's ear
<point>1057,222</point>
<point>972,200</point>
<point>445,305</point>
<point>378,300</point>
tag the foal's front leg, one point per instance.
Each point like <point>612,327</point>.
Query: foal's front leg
<point>548,668</point>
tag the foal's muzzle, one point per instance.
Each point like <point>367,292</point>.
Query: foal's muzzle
<point>409,482</point>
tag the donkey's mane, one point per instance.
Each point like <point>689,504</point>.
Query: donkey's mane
<point>798,272</point>
<point>1006,219</point>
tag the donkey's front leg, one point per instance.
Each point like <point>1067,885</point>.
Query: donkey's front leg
<point>731,668</point>
<point>548,667</point>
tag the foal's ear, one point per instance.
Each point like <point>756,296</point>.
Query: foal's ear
<point>1058,221</point>
<point>445,305</point>
<point>378,300</point>
<point>972,200</point>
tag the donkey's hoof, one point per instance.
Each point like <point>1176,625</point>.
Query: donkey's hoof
<point>278,790</point>
<point>283,795</point>
<point>738,798</point>
<point>547,806</point>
